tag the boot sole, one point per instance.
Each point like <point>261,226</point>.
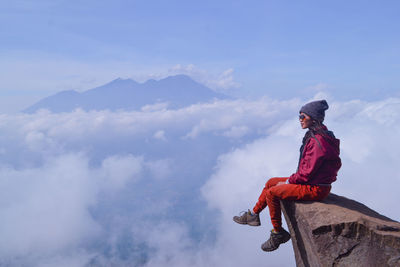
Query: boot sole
<point>251,223</point>
<point>272,249</point>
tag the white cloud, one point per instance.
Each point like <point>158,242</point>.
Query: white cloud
<point>117,170</point>
<point>44,209</point>
<point>154,107</point>
<point>71,180</point>
<point>236,132</point>
<point>160,169</point>
<point>172,245</point>
<point>160,135</point>
<point>222,81</point>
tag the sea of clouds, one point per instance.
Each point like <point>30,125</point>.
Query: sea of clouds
<point>159,187</point>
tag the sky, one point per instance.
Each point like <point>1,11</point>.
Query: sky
<point>157,186</point>
<point>274,48</point>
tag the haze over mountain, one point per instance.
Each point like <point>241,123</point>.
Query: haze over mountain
<point>126,94</point>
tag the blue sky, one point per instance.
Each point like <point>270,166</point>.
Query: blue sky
<point>282,49</point>
<point>73,182</point>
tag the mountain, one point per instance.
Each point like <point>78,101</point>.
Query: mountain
<point>178,91</point>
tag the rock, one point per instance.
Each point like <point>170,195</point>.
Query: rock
<point>341,232</point>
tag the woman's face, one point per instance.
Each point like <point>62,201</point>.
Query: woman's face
<point>305,120</point>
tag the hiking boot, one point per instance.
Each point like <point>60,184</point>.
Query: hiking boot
<point>246,217</point>
<point>275,240</point>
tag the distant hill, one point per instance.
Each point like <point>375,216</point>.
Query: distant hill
<point>126,94</point>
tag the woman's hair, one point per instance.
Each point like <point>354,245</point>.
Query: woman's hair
<point>317,126</point>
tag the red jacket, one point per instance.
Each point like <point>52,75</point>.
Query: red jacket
<point>319,161</point>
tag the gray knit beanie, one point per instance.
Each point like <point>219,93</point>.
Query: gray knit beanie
<point>315,109</point>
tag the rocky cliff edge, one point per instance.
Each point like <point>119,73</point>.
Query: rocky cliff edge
<point>341,232</point>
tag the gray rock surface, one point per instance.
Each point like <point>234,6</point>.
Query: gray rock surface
<point>341,232</point>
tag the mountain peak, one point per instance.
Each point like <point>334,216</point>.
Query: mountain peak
<point>121,81</point>
<point>179,77</point>
<point>174,78</point>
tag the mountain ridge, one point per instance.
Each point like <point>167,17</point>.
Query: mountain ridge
<point>126,94</point>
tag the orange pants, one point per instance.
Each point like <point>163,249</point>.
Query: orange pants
<point>273,193</point>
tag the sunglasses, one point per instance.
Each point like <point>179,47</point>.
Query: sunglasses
<point>302,117</point>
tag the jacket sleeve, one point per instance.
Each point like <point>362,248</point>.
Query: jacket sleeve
<point>312,159</point>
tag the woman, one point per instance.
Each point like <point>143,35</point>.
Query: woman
<point>317,168</point>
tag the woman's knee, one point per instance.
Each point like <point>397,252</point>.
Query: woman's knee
<point>273,181</point>
<point>270,182</point>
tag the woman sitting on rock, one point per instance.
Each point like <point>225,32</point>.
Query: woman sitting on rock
<point>317,168</point>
